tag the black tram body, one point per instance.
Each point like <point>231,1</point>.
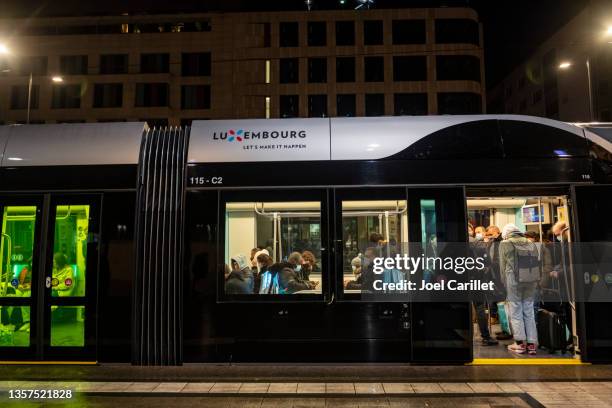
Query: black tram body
<point>158,230</point>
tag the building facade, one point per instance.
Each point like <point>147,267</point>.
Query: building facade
<point>172,69</point>
<point>554,81</point>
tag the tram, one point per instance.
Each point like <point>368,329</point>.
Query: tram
<point>116,238</point>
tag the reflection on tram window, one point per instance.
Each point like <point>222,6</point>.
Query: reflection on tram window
<point>14,326</point>
<point>70,250</point>
<point>273,248</point>
<point>67,326</point>
<point>370,228</point>
<point>16,247</point>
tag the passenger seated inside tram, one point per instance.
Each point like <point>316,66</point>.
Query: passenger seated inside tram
<point>240,280</point>
<point>366,277</point>
<point>356,267</point>
<point>310,263</point>
<point>289,277</point>
<point>269,279</point>
<point>63,276</point>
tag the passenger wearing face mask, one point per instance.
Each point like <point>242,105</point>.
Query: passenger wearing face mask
<point>290,277</point>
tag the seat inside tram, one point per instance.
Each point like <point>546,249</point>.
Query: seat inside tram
<point>539,219</point>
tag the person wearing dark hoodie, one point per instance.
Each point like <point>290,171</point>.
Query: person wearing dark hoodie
<point>520,295</point>
<point>289,280</point>
<point>240,281</point>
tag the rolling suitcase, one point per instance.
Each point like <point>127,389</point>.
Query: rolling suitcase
<point>552,332</point>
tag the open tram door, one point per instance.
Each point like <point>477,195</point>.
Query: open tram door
<point>594,225</point>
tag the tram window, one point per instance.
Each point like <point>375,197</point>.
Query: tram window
<point>533,140</point>
<point>288,233</point>
<point>17,245</point>
<point>14,326</point>
<point>67,326</point>
<point>70,251</point>
<point>479,139</point>
<point>369,226</point>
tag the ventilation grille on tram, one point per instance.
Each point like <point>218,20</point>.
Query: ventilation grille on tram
<point>159,247</point>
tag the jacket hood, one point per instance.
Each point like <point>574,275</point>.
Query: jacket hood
<point>241,260</point>
<point>510,230</point>
<point>277,267</point>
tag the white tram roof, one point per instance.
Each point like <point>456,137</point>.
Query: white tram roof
<point>361,138</point>
<point>70,144</point>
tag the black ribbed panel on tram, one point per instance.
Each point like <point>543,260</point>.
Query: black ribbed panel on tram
<point>157,327</point>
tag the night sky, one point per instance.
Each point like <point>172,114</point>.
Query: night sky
<point>512,28</point>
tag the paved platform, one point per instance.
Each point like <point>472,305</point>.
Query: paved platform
<point>353,394</point>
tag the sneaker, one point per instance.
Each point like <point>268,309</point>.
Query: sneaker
<point>517,348</point>
<point>489,342</point>
<point>531,349</point>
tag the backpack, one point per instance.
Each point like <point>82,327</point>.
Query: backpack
<point>527,268</point>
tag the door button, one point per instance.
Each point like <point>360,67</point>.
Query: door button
<point>48,282</point>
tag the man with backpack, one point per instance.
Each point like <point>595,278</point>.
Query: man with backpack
<point>520,268</point>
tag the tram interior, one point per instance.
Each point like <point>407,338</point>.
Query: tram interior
<point>67,277</point>
<point>534,216</point>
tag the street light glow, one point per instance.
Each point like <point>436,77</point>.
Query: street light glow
<point>609,31</point>
<point>4,49</point>
<point>565,65</point>
<point>57,79</point>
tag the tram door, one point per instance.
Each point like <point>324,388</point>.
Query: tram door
<point>48,260</point>
<point>594,225</point>
<point>441,332</point>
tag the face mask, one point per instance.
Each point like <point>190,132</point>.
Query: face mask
<point>298,268</point>
<point>354,268</point>
<point>558,238</point>
<point>479,237</point>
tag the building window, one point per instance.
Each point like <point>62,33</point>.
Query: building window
<point>154,63</point>
<point>108,95</point>
<point>317,70</point>
<point>19,97</point>
<point>113,64</point>
<point>195,64</point>
<point>409,32</point>
<point>289,35</point>
<point>373,32</point>
<point>268,75</point>
<point>195,97</point>
<point>345,69</point>
<point>537,96</point>
<point>289,71</point>
<point>374,69</point>
<point>409,68</point>
<point>66,96</point>
<point>151,94</point>
<point>268,107</point>
<point>459,103</point>
<point>289,106</point>
<point>345,33</point>
<point>33,65</point>
<point>457,67</point>
<point>523,106</point>
<point>522,82</point>
<point>457,30</point>
<point>508,91</point>
<point>267,35</point>
<point>73,65</point>
<point>317,34</point>
<point>410,104</point>
<point>374,104</point>
<point>346,105</point>
<point>317,106</point>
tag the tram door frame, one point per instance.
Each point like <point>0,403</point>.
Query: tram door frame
<point>42,301</point>
<point>587,206</point>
